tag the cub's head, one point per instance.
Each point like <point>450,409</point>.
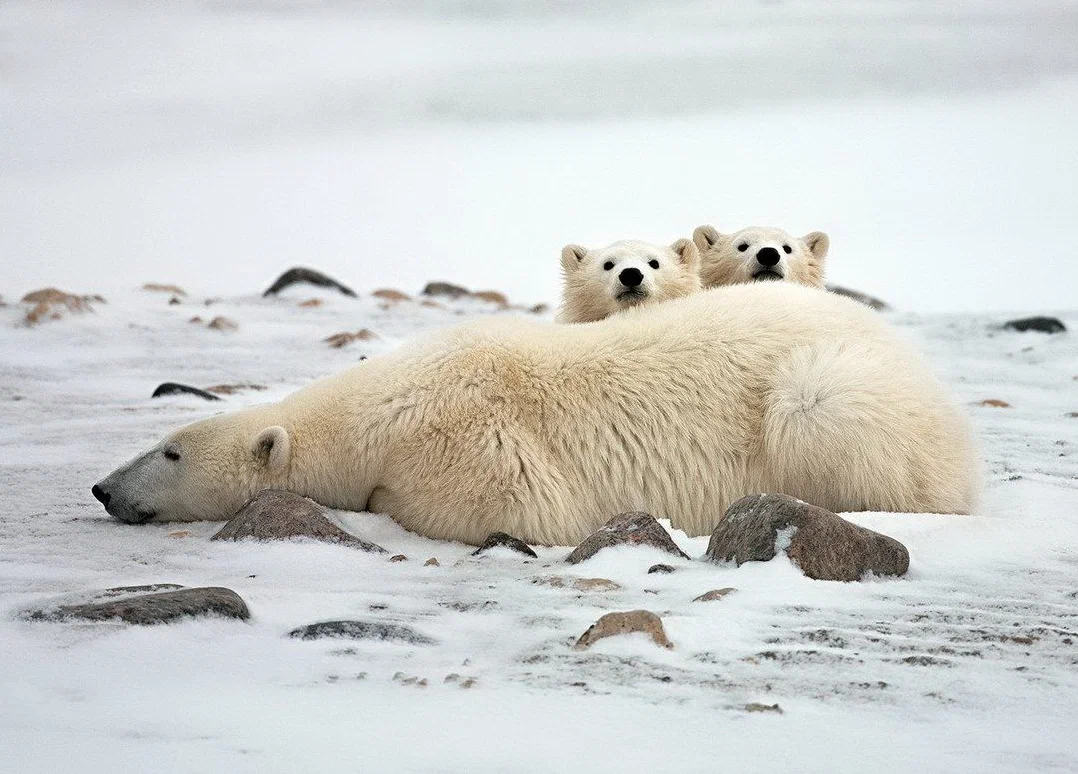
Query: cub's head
<point>629,273</point>
<point>760,254</point>
<point>204,471</point>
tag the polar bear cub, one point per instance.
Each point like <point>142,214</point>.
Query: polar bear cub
<point>626,274</point>
<point>759,253</point>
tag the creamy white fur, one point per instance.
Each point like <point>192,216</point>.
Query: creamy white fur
<point>722,263</point>
<point>591,292</point>
<point>545,431</point>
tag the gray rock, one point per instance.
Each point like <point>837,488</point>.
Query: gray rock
<point>637,529</point>
<point>501,539</point>
<point>154,608</point>
<point>664,569</point>
<point>864,298</point>
<point>1039,324</point>
<point>310,276</point>
<point>715,594</point>
<point>446,290</point>
<point>823,545</point>
<point>362,630</point>
<point>274,514</point>
<point>175,388</point>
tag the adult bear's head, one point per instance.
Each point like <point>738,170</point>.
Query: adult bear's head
<point>204,471</point>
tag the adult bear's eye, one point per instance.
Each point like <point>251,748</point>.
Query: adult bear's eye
<point>172,454</point>
<point>608,265</point>
<point>787,249</point>
<point>743,247</point>
<point>653,263</point>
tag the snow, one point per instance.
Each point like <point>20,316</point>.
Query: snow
<point>214,144</point>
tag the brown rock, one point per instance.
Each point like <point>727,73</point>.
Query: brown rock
<point>174,301</point>
<point>994,403</point>
<point>580,584</point>
<point>445,290</point>
<point>398,558</point>
<point>196,320</point>
<point>613,624</point>
<point>311,303</point>
<point>715,594</point>
<point>135,606</point>
<point>180,533</point>
<point>431,304</point>
<point>339,340</point>
<point>757,707</point>
<point>389,294</point>
<point>864,298</point>
<point>432,562</point>
<point>220,323</point>
<point>491,297</point>
<point>157,287</point>
<point>637,528</point>
<point>823,545</point>
<point>52,304</point>
<point>274,514</point>
<point>503,540</point>
<point>299,274</point>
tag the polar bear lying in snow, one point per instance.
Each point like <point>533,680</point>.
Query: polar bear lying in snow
<point>545,431</point>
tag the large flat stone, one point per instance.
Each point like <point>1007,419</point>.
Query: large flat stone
<point>145,609</point>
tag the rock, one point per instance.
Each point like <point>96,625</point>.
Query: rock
<point>220,323</point>
<point>994,403</point>
<point>715,594</point>
<point>431,304</point>
<point>503,540</point>
<point>1072,414</point>
<point>274,514</point>
<point>175,388</point>
<point>147,605</point>
<point>445,289</point>
<point>311,303</point>
<point>196,320</point>
<point>664,569</point>
<point>1039,324</point>
<point>864,298</point>
<point>51,304</point>
<point>232,389</point>
<point>613,624</point>
<point>362,630</point>
<point>180,533</point>
<point>637,528</point>
<point>540,309</point>
<point>299,274</point>
<point>157,287</point>
<point>389,294</point>
<point>432,562</point>
<point>491,297</point>
<point>580,584</point>
<point>174,301</point>
<point>823,545</point>
<point>398,558</point>
<point>338,340</point>
<point>757,707</point>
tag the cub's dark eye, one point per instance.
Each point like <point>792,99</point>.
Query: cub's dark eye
<point>743,247</point>
<point>608,265</point>
<point>653,263</point>
<point>787,249</point>
<point>172,454</point>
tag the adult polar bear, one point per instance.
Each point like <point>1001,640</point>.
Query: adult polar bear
<point>545,431</point>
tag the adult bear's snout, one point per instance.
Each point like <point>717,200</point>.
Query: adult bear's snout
<point>768,256</point>
<point>102,496</point>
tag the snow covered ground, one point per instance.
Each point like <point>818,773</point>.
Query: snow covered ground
<point>214,144</point>
<point>967,664</point>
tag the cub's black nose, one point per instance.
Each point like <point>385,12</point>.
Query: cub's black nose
<point>768,256</point>
<point>630,278</point>
<point>102,496</point>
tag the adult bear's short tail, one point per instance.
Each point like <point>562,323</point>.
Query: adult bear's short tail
<point>854,426</point>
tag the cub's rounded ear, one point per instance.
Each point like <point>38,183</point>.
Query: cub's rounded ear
<point>272,449</point>
<point>572,256</point>
<point>687,252</point>
<point>818,244</point>
<point>706,237</point>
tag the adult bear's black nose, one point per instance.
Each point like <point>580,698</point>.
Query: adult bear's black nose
<point>630,278</point>
<point>102,496</point>
<point>768,256</point>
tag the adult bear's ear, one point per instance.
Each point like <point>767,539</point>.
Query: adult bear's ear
<point>572,256</point>
<point>687,253</point>
<point>272,449</point>
<point>818,244</point>
<point>706,237</point>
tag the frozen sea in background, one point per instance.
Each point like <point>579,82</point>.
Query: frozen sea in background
<point>214,144</point>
